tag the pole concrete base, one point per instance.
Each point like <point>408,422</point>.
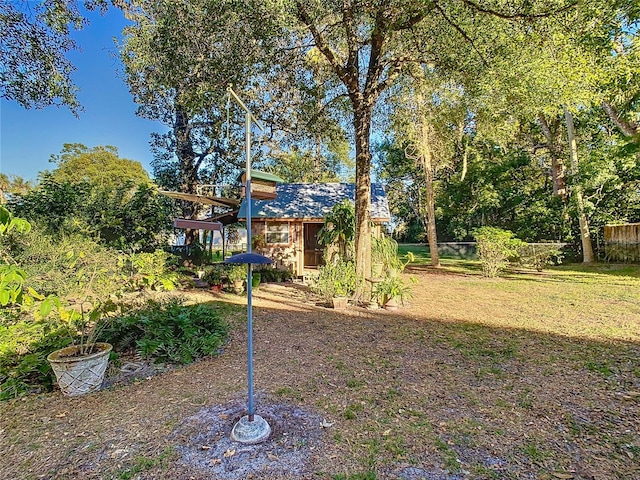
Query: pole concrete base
<point>251,433</point>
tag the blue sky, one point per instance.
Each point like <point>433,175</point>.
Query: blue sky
<point>29,137</point>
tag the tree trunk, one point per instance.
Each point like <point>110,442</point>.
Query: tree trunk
<point>362,125</point>
<point>432,235</point>
<point>558,175</point>
<point>585,236</point>
<point>426,156</point>
<point>188,170</point>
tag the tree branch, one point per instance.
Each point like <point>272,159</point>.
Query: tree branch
<point>461,32</point>
<point>322,44</point>
<point>629,129</point>
<point>515,16</point>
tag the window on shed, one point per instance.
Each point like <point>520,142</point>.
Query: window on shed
<point>277,232</point>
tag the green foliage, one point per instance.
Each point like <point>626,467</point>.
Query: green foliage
<point>236,273</point>
<point>148,271</point>
<point>339,229</point>
<point>24,346</point>
<point>36,40</point>
<point>494,247</point>
<point>68,266</point>
<point>385,250</point>
<point>539,256</point>
<point>335,279</point>
<point>213,273</point>
<point>127,217</point>
<point>170,331</point>
<point>392,287</point>
<point>272,274</point>
<point>100,166</point>
<point>9,223</point>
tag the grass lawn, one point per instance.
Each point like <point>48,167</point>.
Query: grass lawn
<point>529,376</point>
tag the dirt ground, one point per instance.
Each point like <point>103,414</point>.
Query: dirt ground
<point>454,385</point>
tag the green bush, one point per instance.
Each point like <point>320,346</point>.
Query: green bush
<point>495,247</point>
<point>336,279</point>
<point>169,331</point>
<point>24,346</point>
<point>539,256</point>
<point>63,265</point>
<point>148,271</point>
<point>213,273</point>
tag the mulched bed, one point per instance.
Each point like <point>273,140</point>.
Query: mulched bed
<point>416,394</point>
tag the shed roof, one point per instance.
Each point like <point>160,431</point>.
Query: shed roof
<point>314,201</point>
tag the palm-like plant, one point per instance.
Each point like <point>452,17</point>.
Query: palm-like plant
<point>339,229</point>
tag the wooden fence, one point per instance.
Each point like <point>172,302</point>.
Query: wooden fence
<point>622,242</point>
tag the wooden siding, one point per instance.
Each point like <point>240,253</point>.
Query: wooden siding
<point>622,242</point>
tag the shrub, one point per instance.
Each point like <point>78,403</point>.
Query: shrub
<point>495,246</point>
<point>539,256</point>
<point>339,230</point>
<point>148,271</point>
<point>24,346</point>
<point>335,279</point>
<point>213,273</point>
<point>169,331</point>
<point>236,273</point>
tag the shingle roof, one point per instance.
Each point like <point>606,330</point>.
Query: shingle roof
<point>314,200</point>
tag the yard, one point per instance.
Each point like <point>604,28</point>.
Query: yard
<point>529,376</point>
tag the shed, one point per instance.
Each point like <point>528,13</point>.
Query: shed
<point>290,223</point>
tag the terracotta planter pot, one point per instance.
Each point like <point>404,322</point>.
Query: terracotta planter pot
<point>78,375</point>
<point>340,303</point>
<point>391,304</point>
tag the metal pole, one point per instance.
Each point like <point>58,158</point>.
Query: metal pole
<point>251,428</point>
<point>249,273</point>
<point>248,118</point>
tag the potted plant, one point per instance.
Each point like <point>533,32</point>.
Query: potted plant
<point>80,368</point>
<point>258,243</point>
<point>336,282</point>
<point>392,290</point>
<point>237,275</point>
<point>213,276</point>
<point>84,310</point>
<point>383,251</point>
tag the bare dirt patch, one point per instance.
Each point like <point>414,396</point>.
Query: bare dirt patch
<point>204,443</point>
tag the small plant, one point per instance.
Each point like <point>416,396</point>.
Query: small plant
<point>237,273</point>
<point>384,250</point>
<point>258,243</point>
<point>336,279</point>
<point>339,230</point>
<point>213,274</point>
<point>392,287</point>
<point>495,247</point>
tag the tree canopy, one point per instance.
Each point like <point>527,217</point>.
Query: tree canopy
<point>99,165</point>
<point>35,38</point>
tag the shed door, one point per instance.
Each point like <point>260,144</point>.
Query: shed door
<point>312,250</point>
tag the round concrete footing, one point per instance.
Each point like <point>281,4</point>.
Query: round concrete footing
<point>250,433</point>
